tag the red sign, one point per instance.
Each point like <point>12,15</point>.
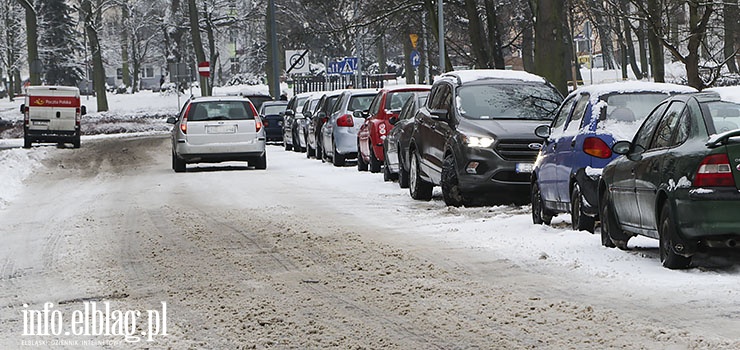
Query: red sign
<point>204,69</point>
<point>54,101</point>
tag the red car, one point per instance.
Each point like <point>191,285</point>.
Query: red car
<point>386,104</point>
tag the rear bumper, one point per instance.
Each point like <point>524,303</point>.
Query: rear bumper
<point>709,212</point>
<point>235,151</point>
<point>51,135</point>
<point>346,140</point>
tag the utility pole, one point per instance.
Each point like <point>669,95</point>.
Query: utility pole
<point>275,59</point>
<point>358,50</point>
<point>441,17</point>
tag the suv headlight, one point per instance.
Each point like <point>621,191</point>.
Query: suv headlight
<point>479,142</point>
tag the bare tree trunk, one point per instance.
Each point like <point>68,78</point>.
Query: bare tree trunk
<point>91,22</point>
<point>628,41</point>
<point>381,54</point>
<point>494,35</point>
<point>550,48</point>
<point>642,44</point>
<point>654,41</point>
<point>124,46</point>
<point>476,35</point>
<point>697,30</point>
<point>200,55</point>
<point>603,27</point>
<point>212,50</point>
<point>31,42</point>
<point>434,22</point>
<point>527,28</point>
<point>732,17</point>
<point>622,48</point>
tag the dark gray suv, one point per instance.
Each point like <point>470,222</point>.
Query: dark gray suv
<point>474,136</point>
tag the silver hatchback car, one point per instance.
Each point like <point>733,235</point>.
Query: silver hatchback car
<point>218,129</point>
<point>339,133</point>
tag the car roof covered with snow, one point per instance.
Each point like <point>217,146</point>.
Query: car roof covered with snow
<point>630,87</point>
<point>727,93</point>
<point>467,76</point>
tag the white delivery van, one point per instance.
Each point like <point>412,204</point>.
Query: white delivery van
<point>52,114</point>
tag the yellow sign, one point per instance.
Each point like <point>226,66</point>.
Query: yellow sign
<point>414,39</point>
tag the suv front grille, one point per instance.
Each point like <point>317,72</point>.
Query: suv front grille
<point>517,150</point>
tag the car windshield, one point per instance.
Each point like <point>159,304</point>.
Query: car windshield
<point>507,101</point>
<point>220,110</point>
<point>273,109</point>
<point>630,107</point>
<point>360,103</point>
<point>724,115</point>
<point>395,100</point>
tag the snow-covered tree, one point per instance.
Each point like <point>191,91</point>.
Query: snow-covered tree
<point>59,43</point>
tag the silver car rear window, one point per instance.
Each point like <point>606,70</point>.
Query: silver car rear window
<point>220,110</point>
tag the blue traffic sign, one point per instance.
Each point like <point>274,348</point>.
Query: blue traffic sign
<point>346,66</point>
<point>415,58</point>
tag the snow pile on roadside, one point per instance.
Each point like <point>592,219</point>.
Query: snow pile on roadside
<point>17,164</point>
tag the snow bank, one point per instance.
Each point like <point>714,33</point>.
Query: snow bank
<point>17,164</point>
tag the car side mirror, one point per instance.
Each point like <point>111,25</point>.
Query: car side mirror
<point>171,120</point>
<point>307,114</point>
<point>289,112</point>
<point>542,131</point>
<point>621,147</point>
<point>393,120</point>
<point>23,108</point>
<point>439,114</point>
<point>360,114</point>
<point>83,110</point>
<point>321,115</point>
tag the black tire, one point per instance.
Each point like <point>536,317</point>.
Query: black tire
<point>418,188</point>
<point>613,231</point>
<point>403,175</point>
<point>361,165</point>
<point>261,163</point>
<point>580,221</point>
<point>608,221</point>
<point>178,165</point>
<point>540,214</point>
<point>310,152</point>
<point>667,232</point>
<point>374,161</point>
<point>26,142</point>
<point>451,192</point>
<point>319,153</point>
<point>337,159</point>
<point>386,173</point>
<point>288,147</point>
<point>76,142</point>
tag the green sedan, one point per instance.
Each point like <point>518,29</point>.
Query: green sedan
<point>677,181</point>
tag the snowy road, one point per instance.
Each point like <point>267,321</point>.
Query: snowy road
<point>306,255</point>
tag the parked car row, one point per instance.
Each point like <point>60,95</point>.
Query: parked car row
<point>487,136</point>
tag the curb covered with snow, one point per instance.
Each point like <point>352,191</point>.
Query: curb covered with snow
<point>17,164</point>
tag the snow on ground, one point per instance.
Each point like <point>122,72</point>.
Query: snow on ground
<point>507,231</point>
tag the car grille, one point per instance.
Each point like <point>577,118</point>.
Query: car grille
<point>517,150</point>
<point>510,176</point>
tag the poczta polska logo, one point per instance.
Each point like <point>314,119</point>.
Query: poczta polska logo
<point>96,320</point>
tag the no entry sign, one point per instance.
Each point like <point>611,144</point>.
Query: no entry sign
<point>204,69</point>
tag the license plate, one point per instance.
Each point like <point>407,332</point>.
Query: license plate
<point>41,122</point>
<point>220,129</point>
<point>524,167</point>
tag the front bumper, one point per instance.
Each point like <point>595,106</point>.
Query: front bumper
<point>492,173</point>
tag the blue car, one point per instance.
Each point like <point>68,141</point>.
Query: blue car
<point>577,146</point>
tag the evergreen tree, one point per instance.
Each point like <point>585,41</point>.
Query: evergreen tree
<point>58,44</point>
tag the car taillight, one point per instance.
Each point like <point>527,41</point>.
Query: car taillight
<point>596,147</point>
<point>78,116</point>
<point>257,124</point>
<point>345,120</point>
<point>714,171</point>
<point>27,116</point>
<point>266,123</point>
